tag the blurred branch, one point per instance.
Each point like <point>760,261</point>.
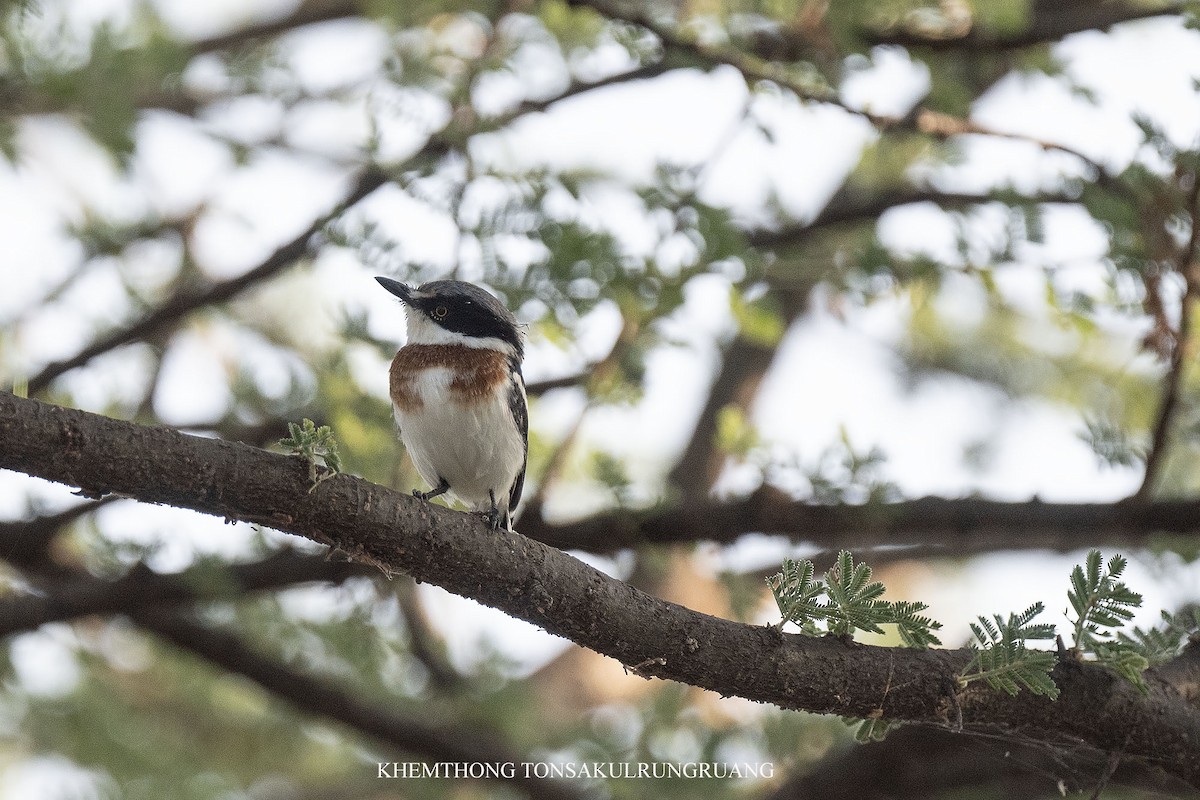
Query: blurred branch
<point>919,761</point>
<point>959,526</point>
<point>528,580</point>
<point>436,743</point>
<point>924,120</point>
<point>563,382</point>
<point>144,588</point>
<point>1050,22</point>
<point>176,308</point>
<point>597,374</point>
<point>752,67</point>
<point>309,12</point>
<point>425,643</point>
<point>643,72</point>
<point>27,541</point>
<point>532,509</point>
<point>849,207</point>
<point>744,364</point>
<point>1180,349</point>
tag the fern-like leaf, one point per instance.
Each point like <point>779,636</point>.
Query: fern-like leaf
<point>915,629</point>
<point>313,444</point>
<point>1160,645</point>
<point>797,595</point>
<point>1101,602</point>
<point>846,600</point>
<point>1002,659</point>
<point>854,602</point>
<point>1125,660</point>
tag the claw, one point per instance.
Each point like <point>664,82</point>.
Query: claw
<point>496,519</point>
<point>440,489</point>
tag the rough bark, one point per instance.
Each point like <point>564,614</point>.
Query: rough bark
<point>546,587</point>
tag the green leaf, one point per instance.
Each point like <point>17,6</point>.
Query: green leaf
<point>854,602</point>
<point>1099,600</point>
<point>915,630</point>
<point>1125,660</point>
<point>1160,645</point>
<point>313,444</point>
<point>759,321</point>
<point>1003,661</point>
<point>797,595</point>
<point>871,730</point>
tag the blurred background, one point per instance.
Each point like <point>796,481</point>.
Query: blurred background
<point>858,253</point>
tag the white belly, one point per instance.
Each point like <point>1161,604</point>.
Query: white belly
<point>476,449</point>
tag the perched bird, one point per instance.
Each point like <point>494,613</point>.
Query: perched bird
<point>459,397</point>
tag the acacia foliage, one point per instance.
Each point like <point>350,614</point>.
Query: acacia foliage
<point>258,118</point>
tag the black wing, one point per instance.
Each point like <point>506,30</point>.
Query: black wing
<point>520,413</point>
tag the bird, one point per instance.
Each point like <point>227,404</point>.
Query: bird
<point>458,396</point>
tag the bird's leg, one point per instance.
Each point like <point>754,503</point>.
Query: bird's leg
<point>495,519</point>
<point>440,489</point>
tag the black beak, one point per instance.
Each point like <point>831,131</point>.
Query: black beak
<point>397,288</point>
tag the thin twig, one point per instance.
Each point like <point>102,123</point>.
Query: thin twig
<point>932,123</point>
<point>177,308</point>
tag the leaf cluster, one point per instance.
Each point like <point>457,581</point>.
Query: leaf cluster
<point>1160,645</point>
<point>846,600</point>
<point>1102,604</point>
<point>1001,658</point>
<point>312,443</point>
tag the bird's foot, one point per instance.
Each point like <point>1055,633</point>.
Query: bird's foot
<point>440,489</point>
<point>495,518</point>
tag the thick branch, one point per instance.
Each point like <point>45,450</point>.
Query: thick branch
<point>962,526</point>
<point>548,588</point>
<point>919,761</point>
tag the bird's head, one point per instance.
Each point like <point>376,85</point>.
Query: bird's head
<point>456,312</point>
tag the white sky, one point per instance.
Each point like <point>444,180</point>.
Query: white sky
<point>835,371</point>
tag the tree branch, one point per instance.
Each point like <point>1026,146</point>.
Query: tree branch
<point>960,526</point>
<point>187,301</point>
<point>437,743</point>
<point>1172,383</point>
<point>548,588</point>
<point>144,588</point>
<point>371,178</point>
<point>1050,24</point>
<point>744,364</point>
<point>309,12</point>
<point>26,541</point>
<point>848,208</point>
<point>920,761</point>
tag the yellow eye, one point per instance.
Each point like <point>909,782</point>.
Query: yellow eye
<point>440,312</point>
